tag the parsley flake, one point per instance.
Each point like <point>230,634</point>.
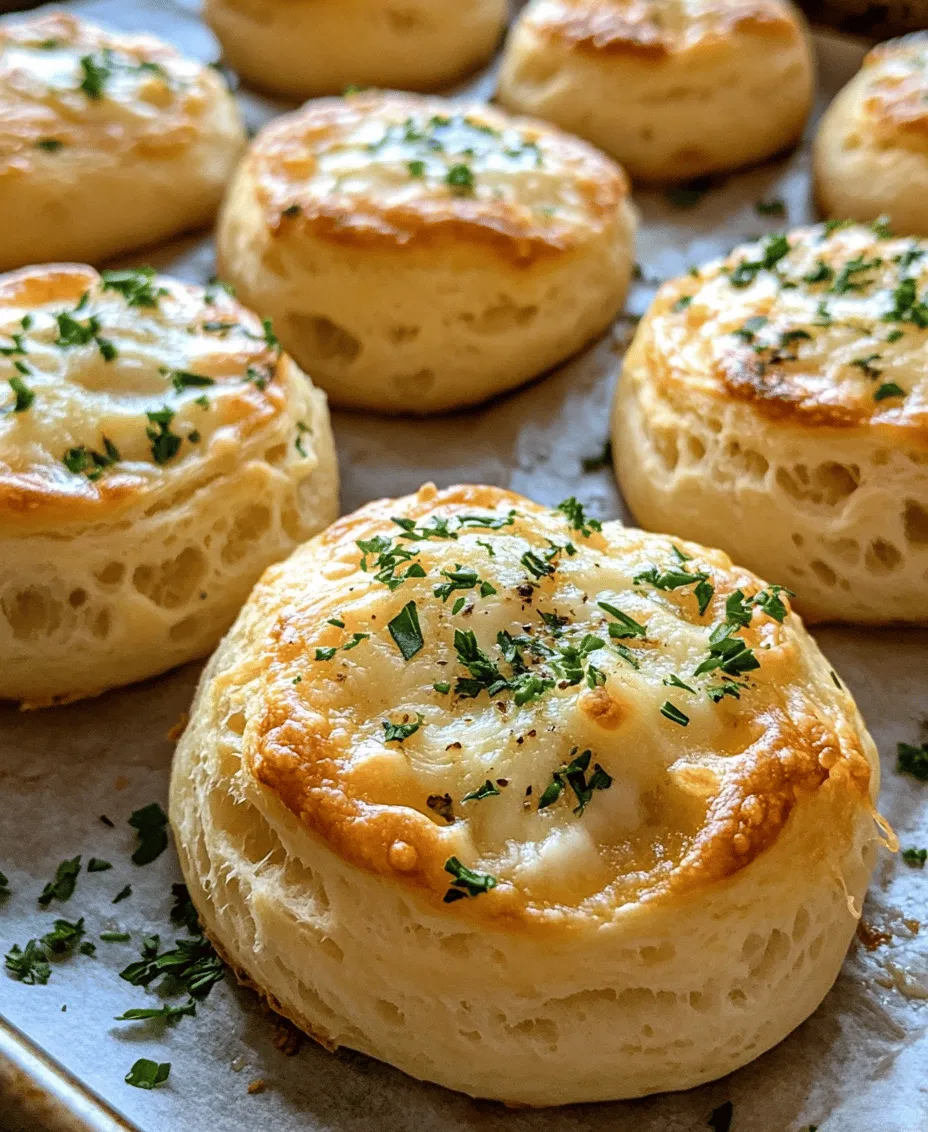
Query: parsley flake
<point>62,887</point>
<point>466,882</point>
<point>151,824</point>
<point>672,712</point>
<point>912,760</point>
<point>487,790</point>
<point>398,732</point>
<point>573,775</point>
<point>146,1074</point>
<point>136,286</point>
<point>405,631</point>
<point>576,517</point>
<point>29,964</point>
<point>24,395</point>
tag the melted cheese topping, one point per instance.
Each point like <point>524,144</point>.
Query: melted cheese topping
<point>827,329</point>
<point>398,166</point>
<point>108,390</point>
<point>655,28</point>
<point>895,90</point>
<point>66,84</point>
<point>506,642</point>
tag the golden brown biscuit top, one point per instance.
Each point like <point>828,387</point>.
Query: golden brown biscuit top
<point>68,87</point>
<point>123,386</point>
<point>393,169</point>
<point>825,327</point>
<point>657,29</point>
<point>894,92</point>
<point>529,714</point>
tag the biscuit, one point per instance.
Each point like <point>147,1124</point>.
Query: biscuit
<point>538,808</point>
<point>417,255</point>
<point>774,404</point>
<point>871,151</point>
<point>157,451</point>
<point>107,142</point>
<point>303,50</point>
<point>672,90</point>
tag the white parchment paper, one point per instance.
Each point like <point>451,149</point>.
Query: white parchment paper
<point>859,1064</point>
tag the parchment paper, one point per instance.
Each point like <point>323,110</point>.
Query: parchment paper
<point>859,1064</point>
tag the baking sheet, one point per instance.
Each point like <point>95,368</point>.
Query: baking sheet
<point>859,1064</point>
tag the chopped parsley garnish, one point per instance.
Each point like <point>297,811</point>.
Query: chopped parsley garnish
<point>326,653</point>
<point>270,338</point>
<point>888,389</point>
<point>727,653</point>
<point>846,279</point>
<point>913,760</point>
<point>398,732</point>
<point>151,824</point>
<point>73,332</point>
<point>674,681</point>
<point>388,558</point>
<point>681,304</point>
<point>183,379</point>
<point>915,858</point>
<point>466,882</point>
<point>573,774</point>
<point>866,366</point>
<point>87,461</point>
<point>772,207</point>
<point>405,631</point>
<point>624,626</point>
<point>301,429</point>
<point>95,71</point>
<point>443,687</point>
<point>821,273</point>
<point>164,444</point>
<point>5,890</point>
<point>484,674</point>
<point>672,712</point>
<point>337,622</point>
<point>29,964</point>
<point>115,937</point>
<point>416,169</point>
<point>460,179</point>
<point>192,968</point>
<point>64,937</point>
<point>773,249</point>
<point>136,287</point>
<point>461,578</point>
<point>167,1013</point>
<point>538,567</point>
<point>50,145</point>
<point>24,395</point>
<point>96,865</point>
<point>487,790</point>
<point>576,517</point>
<point>675,579</point>
<point>123,894</point>
<point>907,307</point>
<point>62,887</point>
<point>146,1074</point>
